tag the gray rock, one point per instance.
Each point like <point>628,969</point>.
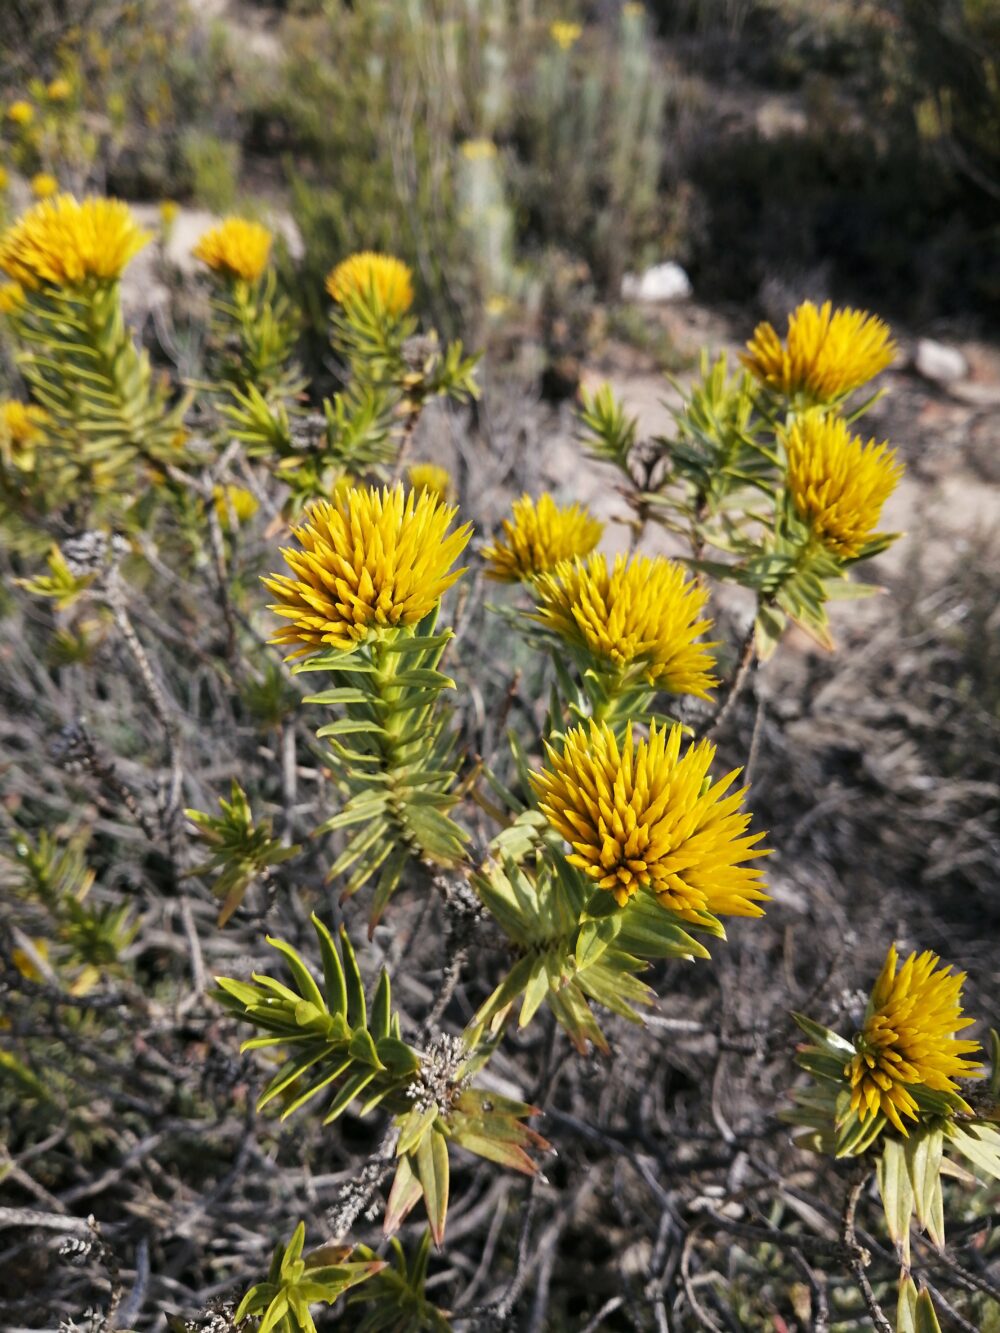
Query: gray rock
<point>662,282</point>
<point>937,362</point>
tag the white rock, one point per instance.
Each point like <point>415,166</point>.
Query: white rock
<point>937,362</point>
<point>662,282</point>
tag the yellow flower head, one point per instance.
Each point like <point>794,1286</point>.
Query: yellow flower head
<point>169,213</point>
<point>21,113</point>
<point>646,817</point>
<point>908,1039</point>
<point>236,248</point>
<point>837,483</point>
<point>640,613</point>
<point>58,90</point>
<point>430,477</point>
<point>371,560</point>
<point>828,353</point>
<point>234,504</point>
<point>565,34</point>
<point>64,242</point>
<point>479,150</point>
<point>359,275</point>
<point>11,297</point>
<point>22,427</point>
<point>44,185</point>
<point>539,537</point>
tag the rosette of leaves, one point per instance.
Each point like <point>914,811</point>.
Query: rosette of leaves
<point>332,1040</point>
<point>572,946</point>
<point>394,1301</point>
<point>297,1280</point>
<point>392,748</point>
<point>257,329</point>
<point>328,1036</point>
<point>242,849</point>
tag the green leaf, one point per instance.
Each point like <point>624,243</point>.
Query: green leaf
<point>923,1152</point>
<point>897,1194</point>
<point>432,1170</point>
<point>406,1192</point>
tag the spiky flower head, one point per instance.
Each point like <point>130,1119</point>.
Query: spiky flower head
<point>642,615</point>
<point>647,817</point>
<point>363,274</point>
<point>908,1040</point>
<point>540,536</point>
<point>430,477</point>
<point>371,560</point>
<point>837,483</point>
<point>64,242</point>
<point>827,354</point>
<point>236,248</point>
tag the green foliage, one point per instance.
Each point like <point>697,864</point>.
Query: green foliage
<point>242,850</point>
<point>392,749</point>
<point>328,1037</point>
<point>394,1300</point>
<point>107,410</point>
<point>570,949</point>
<point>296,1281</point>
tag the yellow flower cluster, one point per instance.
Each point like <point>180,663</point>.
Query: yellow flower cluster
<point>646,817</point>
<point>44,185</point>
<point>564,34</point>
<point>538,537</point>
<point>22,427</point>
<point>65,242</point>
<point>21,113</point>
<point>430,477</point>
<point>827,354</point>
<point>368,273</point>
<point>371,560</point>
<point>11,297</point>
<point>642,613</point>
<point>236,248</point>
<point>908,1040</point>
<point>837,483</point>
<point>234,504</point>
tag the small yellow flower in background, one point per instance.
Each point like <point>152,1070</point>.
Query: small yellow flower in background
<point>359,275</point>
<point>25,964</point>
<point>644,613</point>
<point>236,248</point>
<point>497,306</point>
<point>539,537</point>
<point>234,503</point>
<point>4,178</point>
<point>646,817</point>
<point>59,90</point>
<point>828,353</point>
<point>479,150</point>
<point>565,34</point>
<point>430,477</point>
<point>22,427</point>
<point>65,242</point>
<point>21,113</point>
<point>370,560</point>
<point>838,484</point>
<point>908,1040</point>
<point>169,213</point>
<point>11,297</point>
<point>44,185</point>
